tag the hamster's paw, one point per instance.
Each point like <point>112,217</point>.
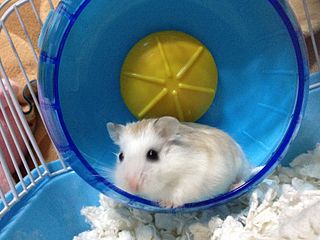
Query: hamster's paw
<point>169,204</point>
<point>236,185</point>
<point>166,204</point>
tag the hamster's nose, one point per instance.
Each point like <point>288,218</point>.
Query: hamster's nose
<point>133,184</point>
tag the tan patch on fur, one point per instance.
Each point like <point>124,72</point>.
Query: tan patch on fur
<point>193,137</point>
<point>137,127</point>
<point>207,139</point>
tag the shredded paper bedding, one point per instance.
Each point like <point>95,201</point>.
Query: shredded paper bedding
<point>284,206</point>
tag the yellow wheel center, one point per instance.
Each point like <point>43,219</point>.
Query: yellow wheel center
<point>169,73</point>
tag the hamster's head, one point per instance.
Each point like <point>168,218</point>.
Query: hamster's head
<point>142,166</point>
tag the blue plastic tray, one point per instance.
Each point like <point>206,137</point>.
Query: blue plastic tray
<point>51,210</point>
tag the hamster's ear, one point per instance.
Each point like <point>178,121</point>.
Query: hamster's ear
<point>166,126</point>
<point>114,131</point>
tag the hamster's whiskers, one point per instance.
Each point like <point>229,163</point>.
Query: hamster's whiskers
<point>141,179</point>
<point>103,171</point>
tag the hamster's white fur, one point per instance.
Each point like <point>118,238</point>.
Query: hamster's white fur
<point>195,162</point>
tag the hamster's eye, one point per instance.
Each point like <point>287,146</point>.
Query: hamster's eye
<point>152,155</point>
<point>121,157</point>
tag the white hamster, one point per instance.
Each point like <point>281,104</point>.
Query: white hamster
<point>175,163</point>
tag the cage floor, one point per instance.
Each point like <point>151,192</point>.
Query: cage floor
<point>51,210</point>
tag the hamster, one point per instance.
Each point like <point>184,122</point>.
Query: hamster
<point>176,163</point>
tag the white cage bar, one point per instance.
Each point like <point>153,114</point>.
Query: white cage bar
<point>39,170</point>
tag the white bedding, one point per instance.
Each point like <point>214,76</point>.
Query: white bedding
<point>284,206</point>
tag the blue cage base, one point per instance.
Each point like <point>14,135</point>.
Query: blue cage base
<point>51,211</point>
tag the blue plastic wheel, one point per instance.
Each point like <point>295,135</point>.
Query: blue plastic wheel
<point>261,94</point>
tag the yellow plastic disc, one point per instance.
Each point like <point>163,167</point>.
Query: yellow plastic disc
<point>169,74</point>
